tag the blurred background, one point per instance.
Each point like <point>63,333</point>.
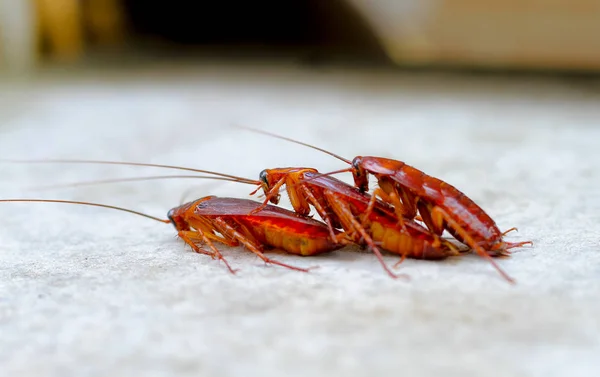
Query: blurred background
<point>528,34</point>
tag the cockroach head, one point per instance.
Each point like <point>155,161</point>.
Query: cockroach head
<point>176,220</point>
<point>361,176</point>
<point>263,177</point>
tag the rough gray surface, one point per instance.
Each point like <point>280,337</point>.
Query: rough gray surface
<point>92,292</point>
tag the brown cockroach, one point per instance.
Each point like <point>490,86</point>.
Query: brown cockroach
<point>441,206</point>
<point>227,220</point>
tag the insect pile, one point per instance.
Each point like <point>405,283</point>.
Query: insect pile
<point>406,214</point>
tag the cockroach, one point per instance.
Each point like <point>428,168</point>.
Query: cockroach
<point>343,206</point>
<point>441,206</point>
<point>227,220</point>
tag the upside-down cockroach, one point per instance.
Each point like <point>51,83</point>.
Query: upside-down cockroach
<point>227,220</point>
<point>441,205</point>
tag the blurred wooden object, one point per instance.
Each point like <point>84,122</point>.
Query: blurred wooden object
<point>56,29</point>
<point>18,36</point>
<point>61,28</point>
<point>540,34</point>
<point>67,25</point>
<point>104,20</point>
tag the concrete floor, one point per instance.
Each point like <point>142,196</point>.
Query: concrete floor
<point>92,292</point>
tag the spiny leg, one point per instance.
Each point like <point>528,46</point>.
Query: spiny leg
<point>436,226</point>
<point>388,198</point>
<point>405,203</point>
<point>188,236</point>
<point>439,215</point>
<point>320,210</point>
<point>241,229</point>
<point>513,229</point>
<point>207,226</point>
<point>296,190</point>
<point>342,209</point>
<point>251,246</point>
<point>224,240</point>
<point>401,211</point>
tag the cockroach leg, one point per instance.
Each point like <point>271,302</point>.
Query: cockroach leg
<point>455,250</point>
<point>345,212</point>
<point>389,198</point>
<point>512,245</point>
<point>272,193</point>
<point>402,258</point>
<point>231,232</point>
<point>439,216</point>
<point>320,210</point>
<point>188,236</point>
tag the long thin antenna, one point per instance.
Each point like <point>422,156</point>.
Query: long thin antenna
<point>293,141</point>
<point>68,161</point>
<point>85,204</point>
<point>319,175</point>
<point>134,179</point>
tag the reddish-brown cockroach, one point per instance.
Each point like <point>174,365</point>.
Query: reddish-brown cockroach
<point>441,205</point>
<point>227,220</point>
<point>343,206</point>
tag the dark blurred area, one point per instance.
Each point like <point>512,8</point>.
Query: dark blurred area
<point>265,24</point>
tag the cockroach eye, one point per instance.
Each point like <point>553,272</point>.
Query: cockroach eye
<point>263,176</point>
<point>356,165</point>
<point>170,215</point>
